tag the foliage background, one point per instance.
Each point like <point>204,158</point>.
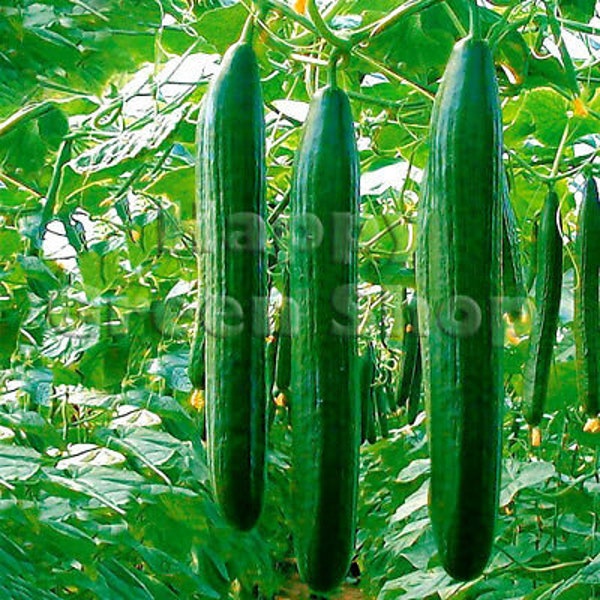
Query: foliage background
<point>103,482</point>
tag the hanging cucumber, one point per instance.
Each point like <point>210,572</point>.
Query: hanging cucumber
<point>371,416</point>
<point>324,381</point>
<point>390,397</point>
<point>459,282</point>
<point>513,281</point>
<point>587,332</point>
<point>547,301</point>
<point>414,396</point>
<point>410,349</point>
<point>231,210</point>
<point>367,376</point>
<point>196,362</point>
<point>196,374</point>
<point>382,411</point>
<point>533,266</point>
<point>283,362</point>
<point>270,365</point>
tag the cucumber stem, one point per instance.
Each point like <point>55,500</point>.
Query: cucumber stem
<point>556,29</point>
<point>559,151</point>
<point>323,29</point>
<point>332,69</point>
<point>63,157</point>
<point>474,21</point>
<point>24,115</point>
<point>248,30</point>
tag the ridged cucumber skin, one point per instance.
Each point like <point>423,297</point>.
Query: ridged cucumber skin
<point>324,383</point>
<point>231,210</point>
<point>587,333</point>
<point>513,280</point>
<point>458,276</point>
<point>548,288</point>
<point>410,348</point>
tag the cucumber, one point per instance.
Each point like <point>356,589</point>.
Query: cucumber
<point>532,271</point>
<point>367,375</point>
<point>231,211</point>
<point>382,410</point>
<point>371,416</point>
<point>459,282</point>
<point>196,363</point>
<point>283,362</point>
<point>270,365</point>
<point>324,382</point>
<point>547,301</point>
<point>414,396</point>
<point>513,280</point>
<point>410,349</point>
<point>197,402</point>
<point>587,333</point>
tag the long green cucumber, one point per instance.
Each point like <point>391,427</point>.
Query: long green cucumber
<point>587,332</point>
<point>283,362</point>
<point>231,211</point>
<point>459,283</point>
<point>414,396</point>
<point>196,370</point>
<point>533,266</point>
<point>547,301</point>
<point>513,280</point>
<point>371,415</point>
<point>367,375</point>
<point>410,349</point>
<point>270,366</point>
<point>382,410</point>
<point>324,383</point>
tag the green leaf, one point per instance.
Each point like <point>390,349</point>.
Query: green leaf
<point>577,10</point>
<point>418,585</point>
<point>416,469</point>
<point>154,447</point>
<point>130,142</point>
<point>590,574</point>
<point>18,463</point>
<point>173,368</point>
<point>180,185</point>
<point>412,504</point>
<point>387,272</point>
<point>222,27</point>
<point>517,476</point>
<point>99,272</point>
<point>36,429</point>
<point>105,364</point>
<point>53,125</point>
<point>40,278</point>
<point>10,242</point>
